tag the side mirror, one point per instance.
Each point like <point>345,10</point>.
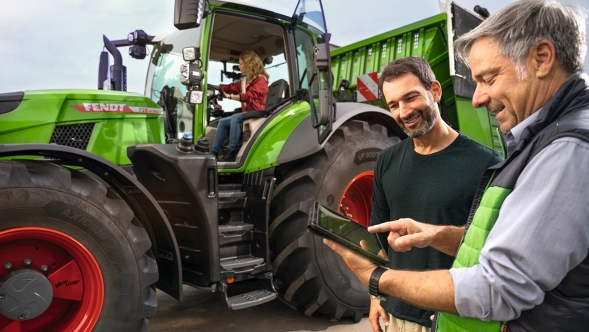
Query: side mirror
<point>188,13</point>
<point>321,57</point>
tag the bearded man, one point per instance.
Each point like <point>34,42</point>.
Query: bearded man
<point>432,176</point>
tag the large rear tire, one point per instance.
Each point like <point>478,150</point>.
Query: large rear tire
<point>79,239</point>
<point>309,276</point>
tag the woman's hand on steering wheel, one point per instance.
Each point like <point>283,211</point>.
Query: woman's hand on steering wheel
<point>217,92</point>
<point>215,108</point>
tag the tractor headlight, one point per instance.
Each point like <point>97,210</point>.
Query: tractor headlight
<point>194,97</point>
<point>137,37</point>
<point>190,53</point>
<point>191,74</point>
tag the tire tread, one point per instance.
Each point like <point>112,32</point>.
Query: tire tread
<point>294,262</point>
<point>46,175</point>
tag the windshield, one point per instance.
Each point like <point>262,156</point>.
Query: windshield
<point>164,70</point>
<point>164,67</point>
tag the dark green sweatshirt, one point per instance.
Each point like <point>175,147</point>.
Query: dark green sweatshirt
<point>438,189</point>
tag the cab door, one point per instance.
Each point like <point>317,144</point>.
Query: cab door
<point>314,63</point>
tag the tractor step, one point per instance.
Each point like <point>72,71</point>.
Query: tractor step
<point>250,299</point>
<point>232,194</point>
<point>237,227</point>
<point>238,263</point>
<point>235,234</point>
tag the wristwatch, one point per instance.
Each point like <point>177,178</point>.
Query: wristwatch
<point>373,283</point>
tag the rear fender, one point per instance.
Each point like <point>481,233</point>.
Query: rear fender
<point>146,209</point>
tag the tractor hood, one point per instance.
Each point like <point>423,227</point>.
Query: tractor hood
<point>49,106</point>
<point>92,120</point>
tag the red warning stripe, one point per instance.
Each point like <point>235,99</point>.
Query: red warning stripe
<point>367,85</point>
<point>365,91</point>
<point>374,77</point>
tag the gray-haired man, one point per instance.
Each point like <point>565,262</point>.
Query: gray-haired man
<point>523,264</point>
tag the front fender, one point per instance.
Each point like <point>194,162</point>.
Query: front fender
<point>142,203</point>
<point>304,140</point>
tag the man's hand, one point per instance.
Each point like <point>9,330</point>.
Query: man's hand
<point>407,233</point>
<point>359,264</point>
<point>376,312</point>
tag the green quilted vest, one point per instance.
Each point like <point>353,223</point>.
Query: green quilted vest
<point>468,256</point>
<point>565,115</point>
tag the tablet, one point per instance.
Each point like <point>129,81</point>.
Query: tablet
<point>329,224</point>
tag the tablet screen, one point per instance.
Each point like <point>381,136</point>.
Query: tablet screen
<point>331,222</point>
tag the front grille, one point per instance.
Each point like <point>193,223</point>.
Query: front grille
<point>76,135</point>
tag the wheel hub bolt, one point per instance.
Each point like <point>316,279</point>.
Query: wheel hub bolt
<point>28,261</point>
<point>44,268</point>
<point>8,265</point>
<point>2,295</point>
<point>22,316</point>
<point>350,215</point>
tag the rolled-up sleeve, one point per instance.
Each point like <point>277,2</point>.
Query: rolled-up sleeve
<point>542,232</point>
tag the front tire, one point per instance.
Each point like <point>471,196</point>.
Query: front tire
<point>309,276</point>
<point>81,239</point>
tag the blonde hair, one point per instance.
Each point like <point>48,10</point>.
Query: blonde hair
<point>254,65</point>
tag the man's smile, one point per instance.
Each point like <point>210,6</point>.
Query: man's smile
<point>413,120</point>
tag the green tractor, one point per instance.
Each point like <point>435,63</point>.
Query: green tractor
<point>107,195</point>
<point>115,194</point>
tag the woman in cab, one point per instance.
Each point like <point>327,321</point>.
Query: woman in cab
<point>251,91</point>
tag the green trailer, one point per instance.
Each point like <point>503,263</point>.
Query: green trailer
<point>360,64</point>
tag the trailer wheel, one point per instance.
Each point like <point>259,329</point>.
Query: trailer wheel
<point>309,276</point>
<point>88,256</point>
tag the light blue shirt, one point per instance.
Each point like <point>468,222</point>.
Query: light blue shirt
<point>542,233</point>
<point>515,135</point>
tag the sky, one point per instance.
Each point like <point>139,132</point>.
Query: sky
<point>56,44</point>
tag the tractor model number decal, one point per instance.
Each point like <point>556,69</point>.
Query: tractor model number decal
<point>115,108</point>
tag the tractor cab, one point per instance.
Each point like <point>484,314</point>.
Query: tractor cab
<point>231,35</point>
<point>225,30</point>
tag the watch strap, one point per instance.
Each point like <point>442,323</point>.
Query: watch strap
<point>373,282</point>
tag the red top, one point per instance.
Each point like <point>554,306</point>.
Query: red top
<point>254,98</point>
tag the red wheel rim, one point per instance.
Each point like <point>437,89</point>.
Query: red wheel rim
<point>78,287</point>
<point>356,202</point>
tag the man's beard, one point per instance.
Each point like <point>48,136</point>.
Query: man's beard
<point>428,119</point>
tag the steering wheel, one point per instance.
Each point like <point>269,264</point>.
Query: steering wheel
<point>215,108</point>
<point>215,88</point>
